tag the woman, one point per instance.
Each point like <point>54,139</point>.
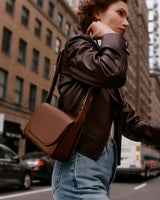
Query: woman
<point>97,58</point>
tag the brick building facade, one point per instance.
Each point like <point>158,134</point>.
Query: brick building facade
<point>137,89</point>
<point>31,34</point>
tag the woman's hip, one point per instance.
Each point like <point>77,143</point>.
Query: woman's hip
<point>81,176</point>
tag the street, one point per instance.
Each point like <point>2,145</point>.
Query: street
<point>123,189</point>
<point>136,189</point>
<point>35,193</point>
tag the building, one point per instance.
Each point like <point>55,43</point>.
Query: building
<point>153,29</point>
<point>155,98</point>
<point>154,57</point>
<point>137,89</point>
<point>73,3</point>
<point>31,34</point>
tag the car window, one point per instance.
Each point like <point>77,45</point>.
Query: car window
<point>8,154</point>
<point>1,153</point>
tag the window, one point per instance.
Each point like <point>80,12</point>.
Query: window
<point>46,67</point>
<point>49,38</point>
<point>71,2</point>
<point>1,153</point>
<point>3,84</point>
<point>40,3</point>
<point>60,20</point>
<point>9,155</point>
<point>22,51</point>
<point>50,10</point>
<point>35,60</point>
<point>10,6</point>
<point>54,100</point>
<point>32,96</point>
<point>58,45</point>
<point>68,29</point>
<point>6,43</point>
<point>37,29</point>
<point>74,33</point>
<point>25,16</point>
<point>18,91</point>
<point>44,95</point>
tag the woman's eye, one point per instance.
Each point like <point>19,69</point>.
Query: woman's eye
<point>120,12</point>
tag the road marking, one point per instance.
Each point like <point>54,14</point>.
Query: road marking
<point>26,193</point>
<point>140,186</point>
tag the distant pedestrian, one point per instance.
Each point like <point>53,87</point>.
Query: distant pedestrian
<point>98,58</point>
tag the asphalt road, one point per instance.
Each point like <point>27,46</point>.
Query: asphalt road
<point>37,192</point>
<point>121,189</point>
<point>136,189</point>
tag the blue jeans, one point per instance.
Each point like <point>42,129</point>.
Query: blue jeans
<point>82,178</point>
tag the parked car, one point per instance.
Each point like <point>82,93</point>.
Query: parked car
<point>40,165</point>
<point>12,171</point>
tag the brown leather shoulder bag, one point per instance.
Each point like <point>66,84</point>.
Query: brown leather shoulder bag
<point>53,131</point>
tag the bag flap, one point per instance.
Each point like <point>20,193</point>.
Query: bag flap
<point>48,123</point>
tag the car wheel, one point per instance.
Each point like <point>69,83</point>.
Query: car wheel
<point>27,181</point>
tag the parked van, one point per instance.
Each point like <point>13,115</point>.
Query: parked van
<point>138,159</point>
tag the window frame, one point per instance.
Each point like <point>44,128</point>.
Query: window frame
<point>49,37</point>
<point>38,27</point>
<point>54,100</point>
<point>4,84</point>
<point>40,3</point>
<point>22,53</point>
<point>32,97</point>
<point>10,7</point>
<point>68,29</point>
<point>75,33</point>
<point>60,20</point>
<point>44,95</point>
<point>6,42</point>
<point>58,46</point>
<point>25,16</point>
<point>71,2</point>
<point>35,60</point>
<point>46,67</point>
<point>18,92</point>
<point>50,10</point>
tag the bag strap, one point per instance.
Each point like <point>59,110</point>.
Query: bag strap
<point>54,81</point>
<point>84,109</point>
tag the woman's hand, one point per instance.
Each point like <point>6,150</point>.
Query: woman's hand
<point>98,29</point>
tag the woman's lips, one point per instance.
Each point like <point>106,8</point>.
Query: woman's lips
<point>121,30</point>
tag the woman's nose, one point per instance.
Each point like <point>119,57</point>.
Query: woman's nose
<point>125,23</point>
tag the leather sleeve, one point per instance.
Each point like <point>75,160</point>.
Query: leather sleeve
<point>104,67</point>
<point>137,129</point>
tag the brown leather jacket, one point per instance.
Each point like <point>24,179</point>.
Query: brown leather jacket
<point>86,64</point>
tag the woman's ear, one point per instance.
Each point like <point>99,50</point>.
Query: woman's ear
<point>97,17</point>
<point>97,14</point>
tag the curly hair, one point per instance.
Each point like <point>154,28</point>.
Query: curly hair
<point>87,9</point>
